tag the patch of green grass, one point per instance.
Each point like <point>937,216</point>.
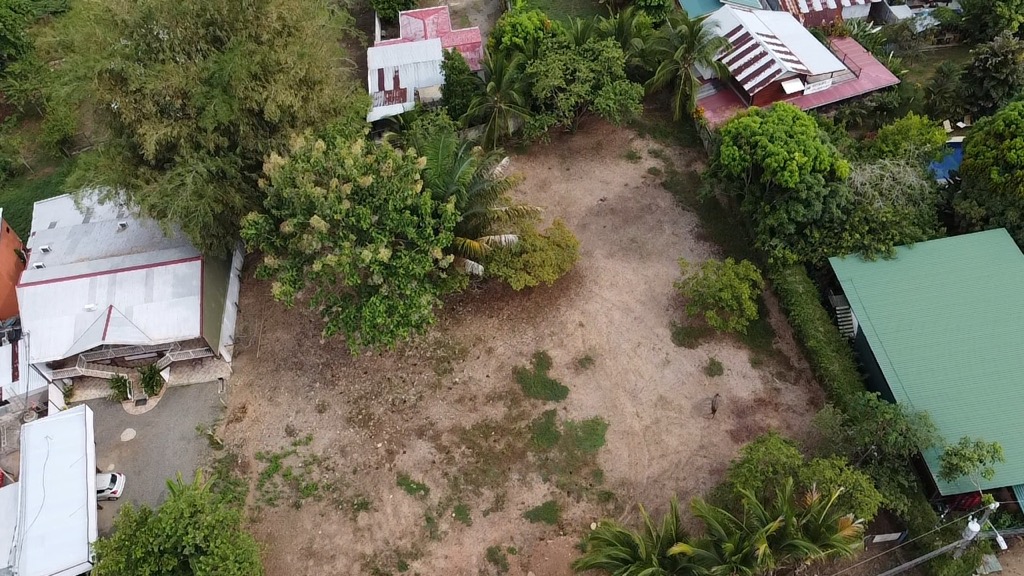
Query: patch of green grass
<point>412,487</point>
<point>585,362</point>
<point>497,558</point>
<point>564,9</point>
<point>402,565</point>
<point>690,336</point>
<point>921,65</point>
<point>535,381</point>
<point>655,171</point>
<point>633,155</point>
<point>714,367</point>
<point>657,123</point>
<point>571,464</point>
<point>547,513</point>
<point>544,431</point>
<point>461,514</point>
<point>18,195</point>
<point>304,441</point>
<point>587,436</point>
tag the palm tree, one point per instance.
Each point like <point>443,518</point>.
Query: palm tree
<point>633,31</point>
<point>471,177</point>
<point>624,552</point>
<point>680,46</point>
<point>502,107</point>
<point>785,532</point>
<point>579,31</point>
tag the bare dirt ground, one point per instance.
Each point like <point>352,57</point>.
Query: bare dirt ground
<point>447,412</point>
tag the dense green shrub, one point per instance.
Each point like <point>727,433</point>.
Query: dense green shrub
<point>537,257</point>
<point>829,354</point>
<point>723,292</point>
<point>151,380</point>
<point>522,29</point>
<point>388,10</point>
<point>119,384</point>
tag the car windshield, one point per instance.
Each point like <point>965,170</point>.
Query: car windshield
<point>111,483</point>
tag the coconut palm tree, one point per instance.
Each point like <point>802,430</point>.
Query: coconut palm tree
<point>502,108</point>
<point>632,29</point>
<point>782,533</point>
<point>623,552</point>
<point>473,178</point>
<point>680,46</point>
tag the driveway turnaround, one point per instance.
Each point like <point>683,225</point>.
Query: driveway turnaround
<point>153,447</point>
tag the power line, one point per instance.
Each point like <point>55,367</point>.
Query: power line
<point>897,547</point>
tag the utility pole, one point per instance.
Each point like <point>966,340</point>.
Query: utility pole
<point>970,534</point>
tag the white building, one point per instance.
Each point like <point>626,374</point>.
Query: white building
<point>48,518</point>
<point>102,285</point>
<point>402,72</point>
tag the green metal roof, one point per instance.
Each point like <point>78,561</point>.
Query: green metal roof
<point>945,320</point>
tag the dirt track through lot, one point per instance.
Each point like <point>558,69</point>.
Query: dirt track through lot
<point>448,413</point>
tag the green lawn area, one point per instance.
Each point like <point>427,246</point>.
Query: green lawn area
<point>19,194</point>
<point>922,64</point>
<point>564,9</point>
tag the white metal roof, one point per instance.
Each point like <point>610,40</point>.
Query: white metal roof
<point>8,516</point>
<point>769,45</point>
<point>56,522</point>
<point>103,283</point>
<point>404,53</point>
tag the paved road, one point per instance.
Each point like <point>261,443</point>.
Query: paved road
<point>165,443</point>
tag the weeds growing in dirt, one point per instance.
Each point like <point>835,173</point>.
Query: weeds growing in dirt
<point>430,523</point>
<point>714,367</point>
<point>461,514</point>
<point>497,558</point>
<point>535,381</point>
<point>226,480</point>
<point>655,171</point>
<point>633,155</point>
<point>412,487</point>
<point>585,362</point>
<point>547,513</point>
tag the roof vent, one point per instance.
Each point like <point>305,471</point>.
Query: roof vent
<point>122,225</point>
<point>90,307</point>
<point>45,249</point>
<point>38,265</point>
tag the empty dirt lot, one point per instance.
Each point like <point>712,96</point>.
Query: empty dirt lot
<point>424,460</point>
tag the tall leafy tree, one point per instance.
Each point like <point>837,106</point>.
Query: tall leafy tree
<point>992,192</point>
<point>680,45</point>
<point>15,17</point>
<point>574,76</point>
<point>971,458</point>
<point>913,137</point>
<point>502,108</point>
<point>348,226</point>
<point>194,94</point>
<point>460,86</point>
<point>985,19</point>
<point>995,75</point>
<point>193,533</point>
<point>880,438</point>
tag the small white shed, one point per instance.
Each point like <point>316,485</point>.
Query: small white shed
<point>397,71</point>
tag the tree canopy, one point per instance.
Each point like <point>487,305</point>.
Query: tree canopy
<point>971,458</point>
<point>725,293</point>
<point>351,223</point>
<point>992,192</point>
<point>195,94</point>
<point>995,75</point>
<point>912,137</point>
<point>193,533</point>
<point>986,19</point>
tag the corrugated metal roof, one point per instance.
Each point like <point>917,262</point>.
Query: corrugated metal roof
<point>394,55</point>
<point>767,46</point>
<point>104,284</point>
<point>945,320</point>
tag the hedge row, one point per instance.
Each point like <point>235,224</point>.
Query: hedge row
<point>828,352</point>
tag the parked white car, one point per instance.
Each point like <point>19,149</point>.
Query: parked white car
<point>109,486</point>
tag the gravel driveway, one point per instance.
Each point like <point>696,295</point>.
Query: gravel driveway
<point>165,442</point>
